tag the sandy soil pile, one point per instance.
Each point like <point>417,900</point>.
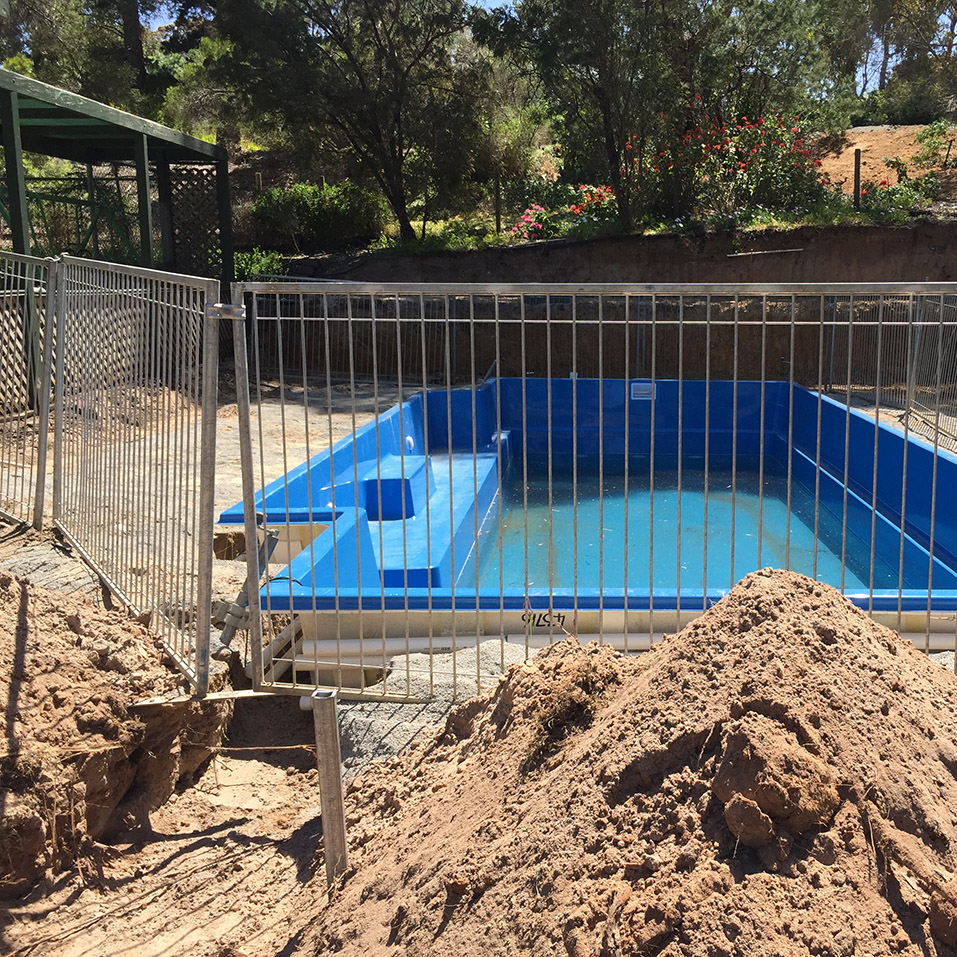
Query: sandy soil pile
<point>876,144</point>
<point>76,763</point>
<point>778,778</point>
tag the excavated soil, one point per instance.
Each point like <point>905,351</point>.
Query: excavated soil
<point>78,763</point>
<point>877,143</point>
<point>778,778</point>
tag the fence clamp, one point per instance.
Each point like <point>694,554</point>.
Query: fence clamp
<point>225,310</point>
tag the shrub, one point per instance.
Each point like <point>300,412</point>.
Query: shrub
<point>936,141</point>
<point>724,170</point>
<point>520,194</point>
<point>249,265</point>
<point>305,215</point>
<point>258,262</point>
<point>539,223</point>
<point>895,203</point>
<point>594,211</point>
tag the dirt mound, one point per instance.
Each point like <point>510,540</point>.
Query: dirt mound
<point>876,144</point>
<point>777,778</point>
<point>76,763</point>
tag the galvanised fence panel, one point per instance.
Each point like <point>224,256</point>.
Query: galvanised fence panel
<point>450,476</point>
<point>136,385</point>
<point>27,297</point>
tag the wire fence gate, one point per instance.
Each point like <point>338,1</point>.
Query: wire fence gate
<point>475,471</point>
<point>134,458</point>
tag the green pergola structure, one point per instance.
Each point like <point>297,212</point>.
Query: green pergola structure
<point>39,118</point>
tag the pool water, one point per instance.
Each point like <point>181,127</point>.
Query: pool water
<point>595,499</point>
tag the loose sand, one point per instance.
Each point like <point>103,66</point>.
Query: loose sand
<point>778,778</point>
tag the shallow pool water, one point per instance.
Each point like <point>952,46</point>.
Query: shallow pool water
<point>745,513</point>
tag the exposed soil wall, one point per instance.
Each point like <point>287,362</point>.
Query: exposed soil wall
<point>926,252</point>
<point>78,763</point>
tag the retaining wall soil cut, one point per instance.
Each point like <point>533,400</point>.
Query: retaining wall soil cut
<point>78,765</point>
<point>921,252</point>
<point>778,778</point>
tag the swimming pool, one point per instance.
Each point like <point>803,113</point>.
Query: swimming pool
<point>538,496</point>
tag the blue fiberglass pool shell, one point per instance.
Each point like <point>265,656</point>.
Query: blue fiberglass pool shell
<point>426,507</point>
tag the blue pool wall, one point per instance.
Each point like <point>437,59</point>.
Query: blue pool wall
<point>418,449</point>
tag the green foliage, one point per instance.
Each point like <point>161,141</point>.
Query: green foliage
<point>901,102</point>
<point>258,262</point>
<point>311,217</point>
<point>936,141</point>
<point>613,69</point>
<point>519,194</point>
<point>19,63</point>
<point>883,202</point>
<point>378,82</point>
<point>250,264</point>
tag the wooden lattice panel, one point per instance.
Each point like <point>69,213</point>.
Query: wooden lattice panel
<point>195,220</point>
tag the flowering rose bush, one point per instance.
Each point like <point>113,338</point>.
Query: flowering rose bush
<point>726,169</point>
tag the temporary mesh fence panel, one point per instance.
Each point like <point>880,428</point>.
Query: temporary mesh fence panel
<point>513,463</point>
<point>26,299</point>
<point>134,460</point>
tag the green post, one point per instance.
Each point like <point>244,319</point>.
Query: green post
<point>144,208</point>
<point>164,187</point>
<point>16,184</point>
<point>20,227</point>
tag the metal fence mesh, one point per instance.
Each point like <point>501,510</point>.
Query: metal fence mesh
<point>27,292</point>
<point>518,462</point>
<point>136,387</point>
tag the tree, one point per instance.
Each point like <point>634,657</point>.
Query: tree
<point>97,48</point>
<point>637,75</point>
<point>377,78</point>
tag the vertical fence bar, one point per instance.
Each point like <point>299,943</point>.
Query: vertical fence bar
<point>53,270</point>
<point>707,450</point>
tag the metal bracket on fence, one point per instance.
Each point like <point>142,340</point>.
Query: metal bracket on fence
<point>329,759</point>
<point>224,310</point>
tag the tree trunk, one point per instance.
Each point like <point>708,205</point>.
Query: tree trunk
<point>613,156</point>
<point>133,41</point>
<point>406,232</point>
<point>885,61</point>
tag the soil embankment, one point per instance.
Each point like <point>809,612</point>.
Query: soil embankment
<point>78,763</point>
<point>780,777</point>
<point>921,252</point>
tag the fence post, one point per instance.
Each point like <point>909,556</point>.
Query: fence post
<point>207,487</point>
<point>46,379</point>
<point>329,758</point>
<point>237,312</point>
<point>58,323</point>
